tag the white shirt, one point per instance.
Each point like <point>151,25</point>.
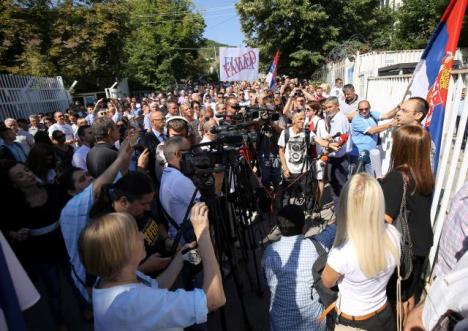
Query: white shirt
<point>339,123</point>
<point>447,292</point>
<point>347,108</point>
<point>360,295</point>
<point>205,139</point>
<point>295,151</point>
<point>65,128</point>
<point>25,139</point>
<point>144,306</point>
<point>175,194</point>
<point>337,92</point>
<point>79,157</point>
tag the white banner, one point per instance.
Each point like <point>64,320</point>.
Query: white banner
<point>236,64</point>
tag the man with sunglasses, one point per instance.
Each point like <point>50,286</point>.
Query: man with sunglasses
<point>365,129</point>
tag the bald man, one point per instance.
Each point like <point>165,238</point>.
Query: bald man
<point>154,137</point>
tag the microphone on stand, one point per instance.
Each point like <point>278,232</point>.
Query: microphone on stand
<point>362,160</point>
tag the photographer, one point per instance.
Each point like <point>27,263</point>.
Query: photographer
<point>176,189</point>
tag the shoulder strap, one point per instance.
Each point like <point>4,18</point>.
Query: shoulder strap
<point>184,224</point>
<point>320,250</point>
<point>286,136</point>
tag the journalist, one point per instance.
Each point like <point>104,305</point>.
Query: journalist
<point>112,248</point>
<point>176,189</point>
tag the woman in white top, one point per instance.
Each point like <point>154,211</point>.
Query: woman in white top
<point>363,257</point>
<point>111,247</point>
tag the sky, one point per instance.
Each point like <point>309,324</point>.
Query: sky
<point>222,21</point>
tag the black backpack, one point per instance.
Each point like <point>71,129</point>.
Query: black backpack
<point>327,296</point>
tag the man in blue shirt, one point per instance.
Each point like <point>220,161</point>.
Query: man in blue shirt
<point>365,129</point>
<point>287,264</point>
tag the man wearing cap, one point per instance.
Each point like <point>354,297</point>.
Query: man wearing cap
<point>287,265</point>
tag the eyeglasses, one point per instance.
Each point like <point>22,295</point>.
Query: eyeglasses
<point>361,109</point>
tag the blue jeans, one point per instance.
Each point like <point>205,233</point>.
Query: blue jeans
<point>270,169</point>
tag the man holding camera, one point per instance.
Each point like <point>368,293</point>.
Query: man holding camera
<point>176,189</point>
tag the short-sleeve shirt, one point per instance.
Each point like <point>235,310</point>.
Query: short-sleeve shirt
<point>347,108</point>
<point>66,129</point>
<point>145,306</point>
<point>418,205</point>
<point>175,194</point>
<point>360,294</point>
<point>339,123</point>
<point>359,131</point>
<point>73,219</point>
<point>295,151</point>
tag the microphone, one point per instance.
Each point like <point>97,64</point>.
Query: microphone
<point>363,159</point>
<point>343,138</point>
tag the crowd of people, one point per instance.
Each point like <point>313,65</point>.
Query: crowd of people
<point>97,200</point>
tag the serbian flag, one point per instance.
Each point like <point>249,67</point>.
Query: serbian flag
<point>271,76</point>
<point>432,74</point>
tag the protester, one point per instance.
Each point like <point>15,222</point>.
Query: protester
<point>364,255</point>
<point>10,149</point>
<point>104,152</point>
<point>410,170</point>
<point>86,139</point>
<point>31,222</point>
<point>339,161</point>
<point>112,248</point>
<point>63,127</point>
<point>349,106</point>
<point>63,152</point>
<point>42,162</point>
<point>23,137</point>
<point>365,129</point>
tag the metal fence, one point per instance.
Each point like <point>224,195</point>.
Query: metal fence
<point>385,93</point>
<point>21,96</point>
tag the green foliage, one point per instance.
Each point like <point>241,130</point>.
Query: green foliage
<point>415,22</point>
<point>100,41</point>
<point>308,32</point>
<point>160,47</point>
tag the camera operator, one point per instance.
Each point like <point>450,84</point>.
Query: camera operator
<point>296,102</point>
<point>176,189</point>
<point>208,136</point>
<point>268,151</point>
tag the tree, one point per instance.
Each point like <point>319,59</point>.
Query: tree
<point>307,31</point>
<point>415,23</point>
<point>162,47</point>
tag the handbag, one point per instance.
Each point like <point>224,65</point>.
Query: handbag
<point>401,223</point>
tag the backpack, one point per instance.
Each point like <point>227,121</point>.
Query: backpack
<point>327,296</point>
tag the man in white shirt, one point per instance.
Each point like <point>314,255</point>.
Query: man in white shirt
<point>86,138</point>
<point>24,138</point>
<point>337,91</point>
<point>349,105</point>
<point>176,189</point>
<point>338,163</point>
<point>63,127</point>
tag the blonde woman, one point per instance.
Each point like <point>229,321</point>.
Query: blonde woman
<point>111,248</point>
<point>363,257</point>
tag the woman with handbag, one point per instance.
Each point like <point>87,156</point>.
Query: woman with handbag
<point>363,257</point>
<point>408,188</point>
